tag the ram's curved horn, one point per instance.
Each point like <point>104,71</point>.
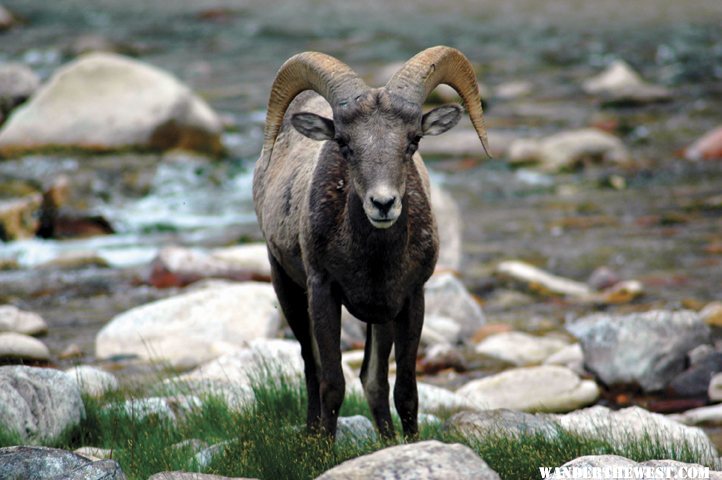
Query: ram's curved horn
<point>426,70</point>
<point>329,77</point>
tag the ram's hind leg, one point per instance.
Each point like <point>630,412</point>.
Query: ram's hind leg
<point>375,374</point>
<point>294,304</point>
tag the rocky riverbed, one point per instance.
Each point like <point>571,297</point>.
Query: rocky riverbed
<point>581,265</point>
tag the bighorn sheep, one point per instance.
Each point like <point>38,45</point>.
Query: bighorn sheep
<point>342,199</point>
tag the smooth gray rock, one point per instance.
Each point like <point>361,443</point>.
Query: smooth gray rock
<point>42,463</point>
<point>520,348</point>
<point>38,403</point>
<point>18,347</point>
<point>357,428</point>
<point>646,349</point>
<point>12,319</point>
<point>502,422</point>
<point>429,460</point>
<point>446,296</point>
<point>105,102</point>
<point>620,85</point>
<point>93,381</point>
<point>546,388</point>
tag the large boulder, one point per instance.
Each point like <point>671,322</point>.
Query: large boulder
<point>106,102</point>
<point>645,349</point>
<point>570,149</point>
<point>429,460</point>
<point>447,297</point>
<point>12,319</point>
<point>42,463</point>
<point>194,327</point>
<point>38,403</point>
<point>546,388</point>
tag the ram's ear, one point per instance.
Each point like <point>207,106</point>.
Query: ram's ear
<point>313,126</point>
<point>441,119</point>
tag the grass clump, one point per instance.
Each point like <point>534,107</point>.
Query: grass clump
<point>266,439</point>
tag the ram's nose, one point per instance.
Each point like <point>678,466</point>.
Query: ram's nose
<point>383,207</point>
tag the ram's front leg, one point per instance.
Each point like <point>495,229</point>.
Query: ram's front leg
<point>407,334</point>
<point>325,313</point>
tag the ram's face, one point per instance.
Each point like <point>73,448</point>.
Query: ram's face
<point>377,134</point>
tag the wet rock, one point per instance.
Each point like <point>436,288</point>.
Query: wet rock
<point>17,84</point>
<point>712,314</point>
<point>547,388</point>
<point>519,348</point>
<point>538,281</point>
<point>42,463</point>
<point>106,102</point>
<point>38,403</point>
<point>356,429</point>
<point>645,349</point>
<point>620,85</point>
<point>19,217</point>
<point>612,463</point>
<point>715,388</point>
<point>191,328</point>
<point>709,415</point>
<point>570,356</point>
<point>695,381</point>
<point>447,297</point>
<point>503,423</point>
<point>569,150</point>
<point>628,427</point>
<point>191,476</point>
<point>707,147</point>
<point>93,381</point>
<point>19,348</point>
<point>180,266</point>
<point>441,357</point>
<point>7,20</point>
<point>448,221</point>
<point>12,319</point>
<point>424,460</point>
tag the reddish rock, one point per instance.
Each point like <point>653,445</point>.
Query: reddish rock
<point>707,147</point>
